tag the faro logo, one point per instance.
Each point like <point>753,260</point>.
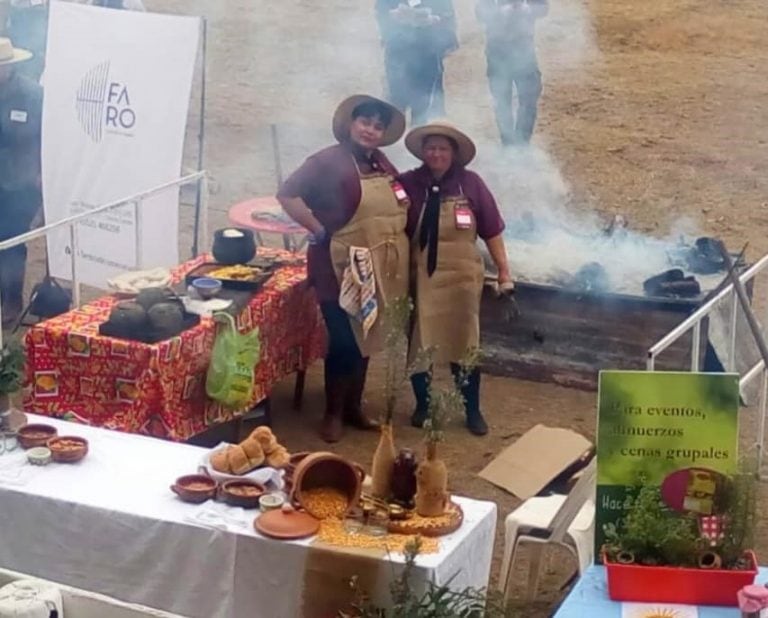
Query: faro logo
<point>104,105</point>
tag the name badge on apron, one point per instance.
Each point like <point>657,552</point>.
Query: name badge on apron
<point>463,217</point>
<point>400,193</point>
<point>18,115</point>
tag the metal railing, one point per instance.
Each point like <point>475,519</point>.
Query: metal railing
<point>694,323</point>
<point>136,201</point>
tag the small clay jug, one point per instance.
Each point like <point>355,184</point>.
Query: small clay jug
<point>431,485</point>
<point>383,465</point>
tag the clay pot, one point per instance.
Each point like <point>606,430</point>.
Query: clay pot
<point>245,494</point>
<point>35,435</point>
<point>68,449</point>
<point>286,523</point>
<point>195,488</point>
<point>128,318</point>
<point>323,469</point>
<point>710,560</point>
<point>238,249</point>
<point>383,464</point>
<point>150,297</point>
<point>432,485</point>
<point>166,318</point>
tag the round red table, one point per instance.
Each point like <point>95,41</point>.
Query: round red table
<point>264,215</point>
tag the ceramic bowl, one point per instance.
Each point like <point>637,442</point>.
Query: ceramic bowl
<point>245,494</point>
<point>206,287</point>
<point>270,502</point>
<point>33,435</point>
<point>68,449</point>
<point>39,456</point>
<point>195,488</point>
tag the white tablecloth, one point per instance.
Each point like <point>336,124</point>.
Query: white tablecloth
<point>110,524</point>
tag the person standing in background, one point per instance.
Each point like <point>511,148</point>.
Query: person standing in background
<point>21,110</point>
<point>417,35</point>
<point>510,48</point>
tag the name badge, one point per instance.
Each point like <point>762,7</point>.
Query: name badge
<point>400,193</point>
<point>463,218</point>
<point>18,115</point>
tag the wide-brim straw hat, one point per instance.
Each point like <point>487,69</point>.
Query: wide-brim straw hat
<point>414,141</point>
<point>342,119</point>
<point>10,54</point>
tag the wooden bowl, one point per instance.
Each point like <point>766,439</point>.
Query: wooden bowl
<point>195,488</point>
<point>245,494</point>
<point>34,435</point>
<point>68,449</point>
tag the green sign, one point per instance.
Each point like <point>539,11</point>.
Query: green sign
<point>677,430</point>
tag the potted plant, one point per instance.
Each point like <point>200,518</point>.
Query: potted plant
<point>397,317</point>
<point>432,475</point>
<point>12,360</point>
<point>655,554</point>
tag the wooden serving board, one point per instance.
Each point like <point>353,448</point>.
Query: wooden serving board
<point>430,526</point>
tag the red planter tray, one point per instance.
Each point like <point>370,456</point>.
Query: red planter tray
<point>647,584</point>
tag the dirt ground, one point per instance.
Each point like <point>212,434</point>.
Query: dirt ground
<point>653,110</point>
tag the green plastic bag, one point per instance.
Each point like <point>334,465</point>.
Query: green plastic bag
<point>231,372</point>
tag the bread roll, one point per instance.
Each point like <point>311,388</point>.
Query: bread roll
<point>220,461</point>
<point>253,451</point>
<point>266,438</point>
<point>278,458</point>
<point>238,460</point>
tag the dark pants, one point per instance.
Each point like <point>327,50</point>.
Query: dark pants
<point>343,357</point>
<point>17,210</point>
<point>415,82</point>
<point>504,77</point>
<point>469,385</point>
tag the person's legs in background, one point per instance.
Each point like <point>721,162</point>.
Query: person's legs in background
<point>501,86</point>
<point>528,93</point>
<point>343,367</point>
<point>420,383</point>
<point>426,86</point>
<point>469,385</point>
<point>17,210</point>
<point>353,404</point>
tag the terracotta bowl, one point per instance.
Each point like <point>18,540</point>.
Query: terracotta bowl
<point>195,488</point>
<point>68,449</point>
<point>34,435</point>
<point>244,494</point>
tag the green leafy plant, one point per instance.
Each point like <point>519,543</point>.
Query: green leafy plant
<point>434,602</point>
<point>448,401</point>
<point>12,360</point>
<point>739,505</point>
<point>653,534</point>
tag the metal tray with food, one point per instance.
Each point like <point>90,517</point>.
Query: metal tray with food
<point>242,277</point>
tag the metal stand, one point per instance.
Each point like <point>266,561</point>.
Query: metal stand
<point>201,141</point>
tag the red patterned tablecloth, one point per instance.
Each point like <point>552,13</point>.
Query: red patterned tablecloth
<point>159,389</point>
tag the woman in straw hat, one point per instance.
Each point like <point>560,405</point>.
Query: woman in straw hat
<point>356,212</point>
<point>21,108</point>
<point>450,207</point>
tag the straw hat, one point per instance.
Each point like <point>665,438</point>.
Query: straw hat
<point>10,54</point>
<point>342,119</point>
<point>414,141</point>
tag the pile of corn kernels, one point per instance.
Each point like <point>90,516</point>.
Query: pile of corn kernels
<point>325,502</point>
<point>332,532</point>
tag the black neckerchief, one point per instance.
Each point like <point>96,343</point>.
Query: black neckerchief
<point>430,225</point>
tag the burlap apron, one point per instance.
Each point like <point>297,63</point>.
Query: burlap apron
<point>378,225</point>
<point>447,316</point>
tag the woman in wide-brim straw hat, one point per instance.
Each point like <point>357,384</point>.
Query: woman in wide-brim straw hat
<point>356,212</point>
<point>21,107</point>
<point>450,207</point>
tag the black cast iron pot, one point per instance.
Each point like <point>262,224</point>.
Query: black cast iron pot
<point>233,250</point>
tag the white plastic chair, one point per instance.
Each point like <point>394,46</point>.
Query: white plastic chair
<point>566,521</point>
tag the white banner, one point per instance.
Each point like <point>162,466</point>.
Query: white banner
<point>117,88</point>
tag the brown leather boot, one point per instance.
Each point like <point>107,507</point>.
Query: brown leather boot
<point>353,405</point>
<point>336,389</point>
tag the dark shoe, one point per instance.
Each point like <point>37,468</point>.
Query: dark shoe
<point>470,390</point>
<point>353,403</point>
<point>336,390</point>
<point>419,417</point>
<point>331,430</point>
<point>476,424</point>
